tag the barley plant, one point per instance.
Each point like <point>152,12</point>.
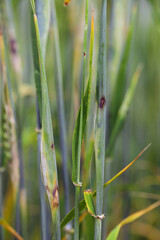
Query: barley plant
<point>79,105</point>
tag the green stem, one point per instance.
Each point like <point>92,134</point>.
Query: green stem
<point>77,191</point>
<point>76,220</point>
<point>100,128</point>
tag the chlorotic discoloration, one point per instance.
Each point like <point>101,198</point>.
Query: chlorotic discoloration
<point>102,102</point>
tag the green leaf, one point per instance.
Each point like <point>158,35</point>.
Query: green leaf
<point>123,110</point>
<point>86,100</point>
<point>43,8</point>
<point>88,197</point>
<point>36,65</point>
<point>114,233</point>
<point>82,204</point>
<point>48,157</point>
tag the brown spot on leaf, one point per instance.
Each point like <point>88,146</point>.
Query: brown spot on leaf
<point>84,54</point>
<point>66,2</point>
<point>55,197</point>
<point>102,102</point>
<point>13,46</point>
<point>52,146</point>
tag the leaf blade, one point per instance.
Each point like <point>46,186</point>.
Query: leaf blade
<point>114,233</point>
<point>4,224</point>
<point>85,105</point>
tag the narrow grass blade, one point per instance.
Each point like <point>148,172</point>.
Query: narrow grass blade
<point>4,224</point>
<point>123,110</point>
<point>82,114</point>
<point>88,197</point>
<point>129,165</point>
<point>119,88</point>
<point>82,204</point>
<point>36,70</point>
<point>114,233</point>
<point>81,121</point>
<point>48,157</point>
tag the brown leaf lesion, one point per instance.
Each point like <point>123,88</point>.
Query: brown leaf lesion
<point>55,197</point>
<point>102,102</point>
<point>52,146</point>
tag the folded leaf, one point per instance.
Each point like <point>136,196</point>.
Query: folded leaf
<point>88,197</point>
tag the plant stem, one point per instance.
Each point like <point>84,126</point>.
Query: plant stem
<point>110,51</point>
<point>100,128</point>
<point>77,190</point>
